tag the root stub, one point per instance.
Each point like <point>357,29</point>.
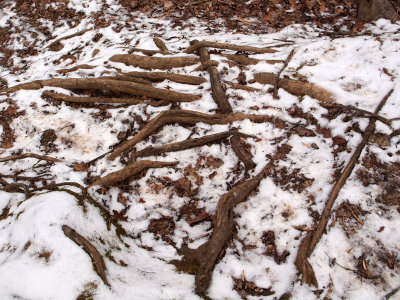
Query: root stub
<point>118,86</point>
<point>149,63</point>
<point>129,171</point>
<point>296,87</point>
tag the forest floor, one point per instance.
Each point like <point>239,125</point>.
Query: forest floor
<point>249,153</point>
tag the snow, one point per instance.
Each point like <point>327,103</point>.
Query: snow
<point>357,70</point>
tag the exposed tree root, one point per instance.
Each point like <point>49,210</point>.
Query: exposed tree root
<point>78,67</point>
<point>242,87</point>
<point>296,87</point>
<point>118,86</point>
<point>17,188</point>
<point>160,76</point>
<point>28,155</point>
<point>218,93</point>
<point>74,99</point>
<point>97,259</point>
<point>129,171</point>
<point>186,144</point>
<point>287,60</point>
<point>160,44</point>
<point>149,63</point>
<point>309,242</point>
<point>188,117</point>
<point>201,261</point>
<point>197,45</point>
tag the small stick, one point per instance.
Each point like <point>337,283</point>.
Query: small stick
<point>78,67</point>
<point>394,291</point>
<point>68,37</point>
<point>363,112</point>
<point>312,238</point>
<point>197,45</point>
<point>28,155</point>
<point>288,59</point>
<point>97,259</point>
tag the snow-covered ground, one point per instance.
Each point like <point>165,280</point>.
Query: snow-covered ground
<point>37,261</point>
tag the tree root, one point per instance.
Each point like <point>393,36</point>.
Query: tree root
<point>197,45</point>
<point>78,67</point>
<point>148,63</point>
<point>309,242</point>
<point>160,76</point>
<point>296,87</point>
<point>188,117</point>
<point>218,93</point>
<point>74,99</point>
<point>97,259</point>
<point>187,144</point>
<point>106,84</point>
<point>129,171</point>
<point>160,44</point>
<point>201,261</point>
<point>28,155</point>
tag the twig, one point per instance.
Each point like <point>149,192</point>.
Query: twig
<point>68,37</point>
<point>360,111</point>
<point>242,87</point>
<point>287,60</point>
<point>394,291</point>
<point>312,238</point>
<point>97,259</point>
<point>29,155</point>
